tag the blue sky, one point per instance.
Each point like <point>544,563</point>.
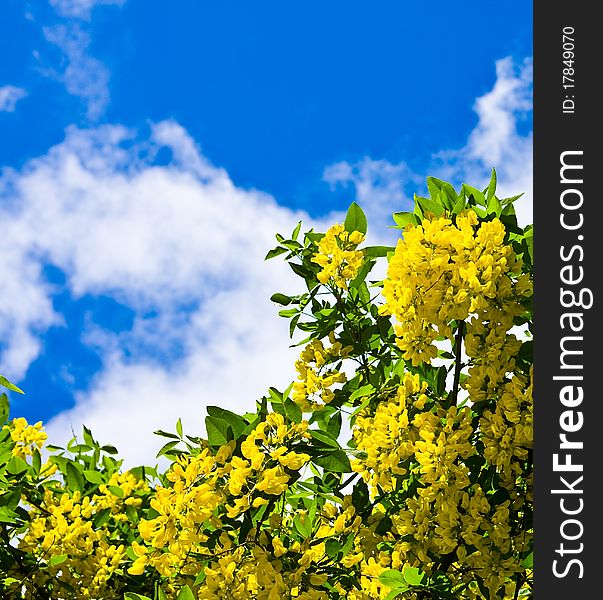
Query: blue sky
<point>136,132</point>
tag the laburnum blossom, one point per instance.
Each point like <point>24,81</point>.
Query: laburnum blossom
<point>27,437</point>
<point>338,256</point>
<point>316,375</point>
<point>443,271</point>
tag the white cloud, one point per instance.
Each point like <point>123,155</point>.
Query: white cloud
<point>81,74</point>
<point>183,247</point>
<point>381,189</point>
<point>80,9</point>
<point>157,239</point>
<point>9,96</point>
<point>496,141</point>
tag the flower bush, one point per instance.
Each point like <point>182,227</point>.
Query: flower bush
<point>397,465</point>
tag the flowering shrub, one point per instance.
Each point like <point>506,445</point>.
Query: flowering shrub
<point>429,498</point>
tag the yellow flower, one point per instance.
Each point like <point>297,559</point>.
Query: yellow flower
<point>273,481</point>
<point>27,437</point>
<point>338,257</point>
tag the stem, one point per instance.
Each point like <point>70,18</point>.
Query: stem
<point>458,347</point>
<point>518,582</point>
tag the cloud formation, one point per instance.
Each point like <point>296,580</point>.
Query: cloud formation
<point>80,9</point>
<point>181,246</point>
<point>9,96</point>
<point>81,74</point>
<point>496,141</point>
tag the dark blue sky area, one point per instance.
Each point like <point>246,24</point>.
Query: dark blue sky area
<point>274,91</point>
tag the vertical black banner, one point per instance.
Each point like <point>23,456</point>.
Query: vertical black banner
<point>568,364</point>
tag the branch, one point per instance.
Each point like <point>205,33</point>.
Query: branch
<point>458,348</point>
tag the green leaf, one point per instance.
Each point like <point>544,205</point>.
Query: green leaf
<point>528,561</point>
<point>434,190</point>
<point>332,547</point>
<point>364,271</point>
<point>11,499</point>
<point>134,596</point>
<point>300,270</point>
<point>57,560</point>
<point>293,324</point>
<point>365,390</point>
<point>443,185</point>
<point>280,299</point>
<point>303,524</point>
<point>93,477</point>
<point>219,431</point>
<point>160,594</point>
<point>393,579</point>
<point>296,231</point>
<point>75,480</point>
<point>491,186</point>
<point>185,594</point>
<point>440,380</point>
<point>378,251</point>
<point>324,439</point>
<point>275,395</point>
<point>360,496</point>
<point>335,462</point>
<point>447,201</point>
<point>201,576</point>
<point>36,461</point>
<point>10,386</point>
<point>355,219</point>
<point>167,447</point>
<point>132,514</point>
<point>102,517</point>
<point>334,426</point>
<point>88,439</point>
<point>116,491</point>
<point>293,411</point>
<point>477,195</point>
<point>403,219</point>
<point>429,205</point>
<point>529,241</point>
<point>237,423</point>
<point>166,434</point>
<point>275,252</point>
<point>395,593</point>
<point>413,576</point>
<point>4,409</point>
<point>179,427</point>
<point>494,206</point>
<point>459,206</point>
<point>510,200</point>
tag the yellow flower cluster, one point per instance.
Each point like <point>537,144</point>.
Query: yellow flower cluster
<point>207,488</point>
<point>313,390</point>
<point>27,437</point>
<point>447,514</point>
<point>387,437</point>
<point>259,571</point>
<point>508,430</point>
<point>277,565</point>
<point>443,271</point>
<point>338,257</point>
<point>65,531</point>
